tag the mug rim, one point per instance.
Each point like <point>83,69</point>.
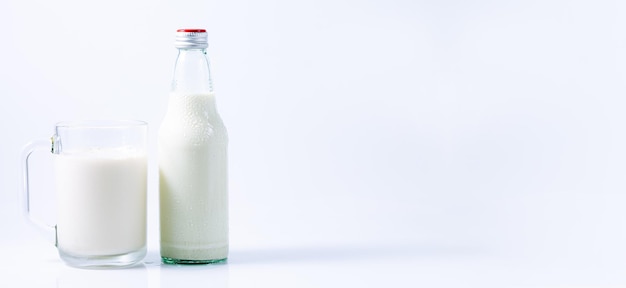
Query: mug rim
<point>101,124</point>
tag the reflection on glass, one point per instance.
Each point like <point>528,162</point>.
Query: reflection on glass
<point>134,277</point>
<point>213,275</point>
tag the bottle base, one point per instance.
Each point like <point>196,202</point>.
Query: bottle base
<point>168,260</point>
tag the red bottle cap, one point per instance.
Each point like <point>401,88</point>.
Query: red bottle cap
<point>191,30</point>
<point>191,39</point>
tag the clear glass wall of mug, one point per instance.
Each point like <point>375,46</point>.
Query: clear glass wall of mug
<point>100,172</point>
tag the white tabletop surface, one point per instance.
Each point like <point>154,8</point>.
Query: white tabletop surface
<point>407,265</point>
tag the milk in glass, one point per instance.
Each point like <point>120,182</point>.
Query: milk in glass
<point>101,202</point>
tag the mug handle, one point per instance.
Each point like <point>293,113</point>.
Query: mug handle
<point>49,232</point>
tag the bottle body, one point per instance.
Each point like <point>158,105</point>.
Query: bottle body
<point>193,168</point>
<point>193,184</point>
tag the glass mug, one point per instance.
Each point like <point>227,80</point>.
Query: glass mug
<point>100,172</point>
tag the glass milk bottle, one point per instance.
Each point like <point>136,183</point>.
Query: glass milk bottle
<point>193,178</point>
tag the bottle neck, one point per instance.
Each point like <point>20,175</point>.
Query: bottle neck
<point>192,73</point>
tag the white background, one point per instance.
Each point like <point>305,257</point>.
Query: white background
<point>396,143</point>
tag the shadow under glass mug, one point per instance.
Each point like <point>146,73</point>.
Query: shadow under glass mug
<point>100,175</point>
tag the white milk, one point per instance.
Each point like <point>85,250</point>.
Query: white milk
<point>193,179</point>
<point>101,197</point>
